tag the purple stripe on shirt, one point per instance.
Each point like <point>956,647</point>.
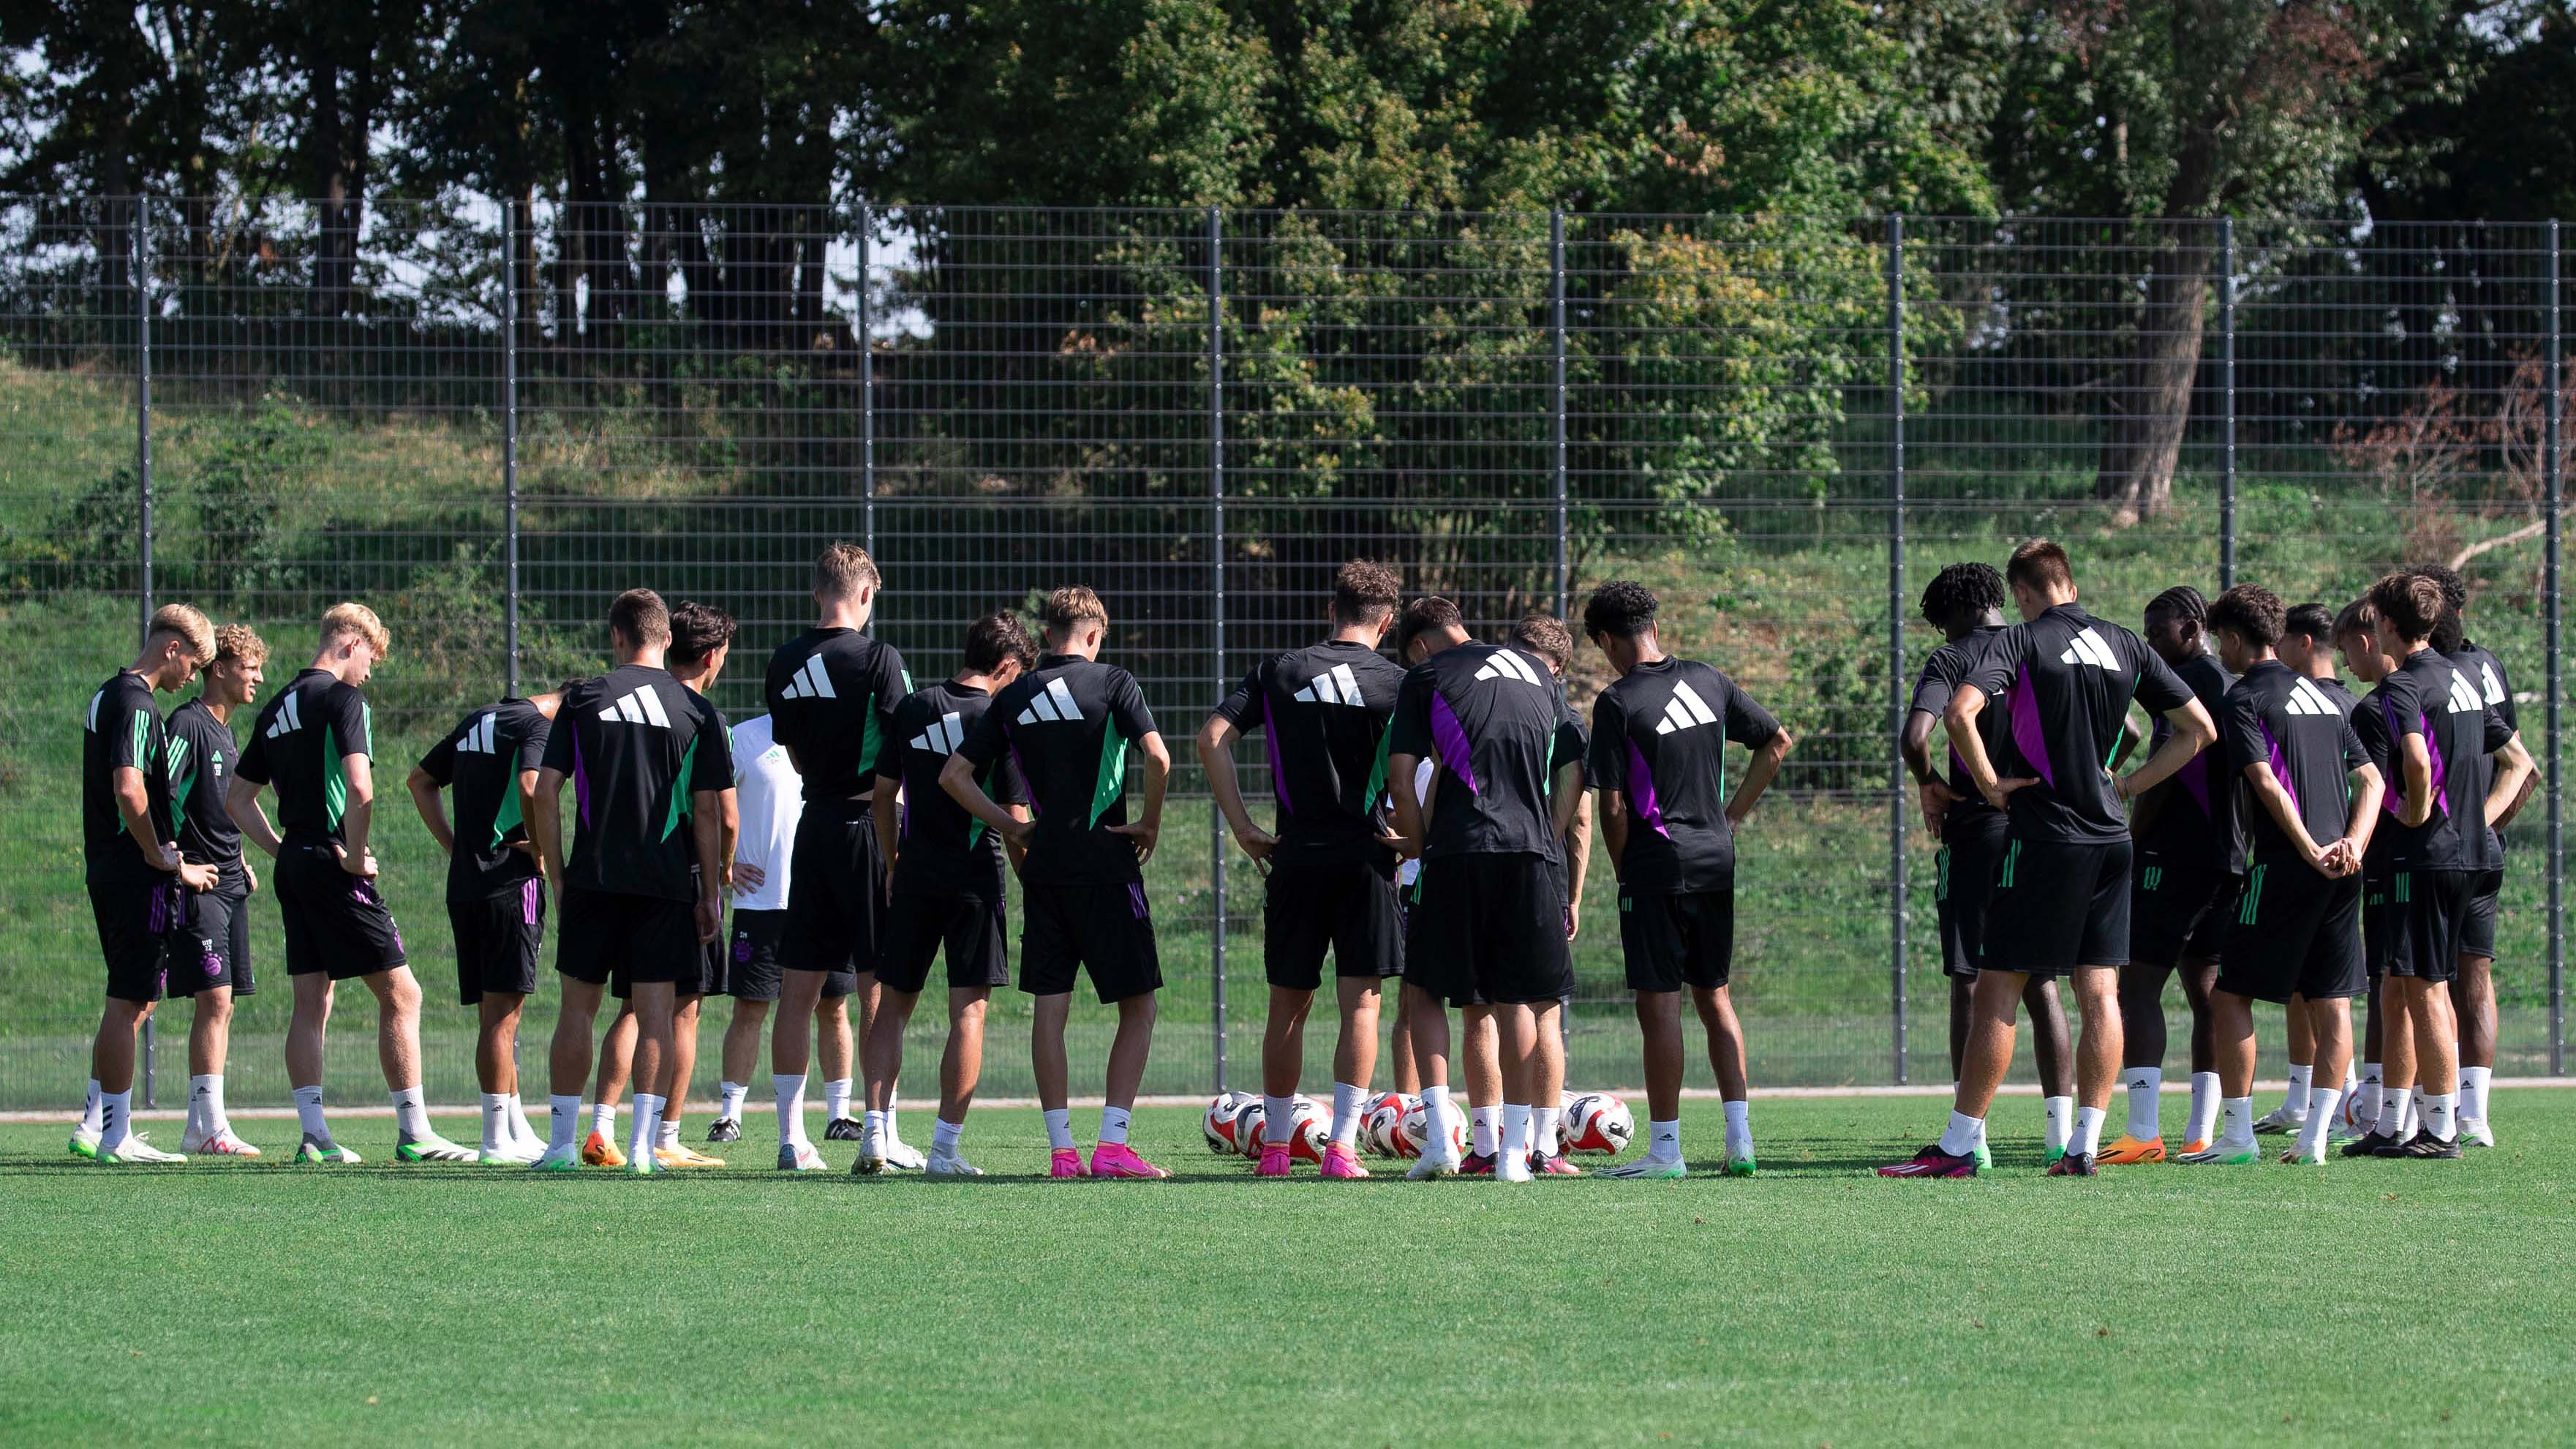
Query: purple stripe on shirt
<point>2280,767</point>
<point>2441,769</point>
<point>1022,768</point>
<point>2026,733</point>
<point>2194,776</point>
<point>580,782</point>
<point>1270,746</point>
<point>1449,737</point>
<point>1641,792</point>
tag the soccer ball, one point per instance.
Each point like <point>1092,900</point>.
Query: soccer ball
<point>1597,1123</point>
<point>1377,1129</point>
<point>1224,1116</point>
<point>1312,1128</point>
<point>2349,1109</point>
<point>1413,1132</point>
<point>1249,1129</point>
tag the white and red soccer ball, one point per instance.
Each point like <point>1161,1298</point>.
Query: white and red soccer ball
<point>1310,1127</point>
<point>1224,1121</point>
<point>1413,1132</point>
<point>1377,1123</point>
<point>1596,1124</point>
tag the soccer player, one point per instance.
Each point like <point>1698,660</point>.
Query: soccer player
<point>2307,797</point>
<point>210,959</point>
<point>832,691</point>
<point>2180,889</point>
<point>133,865</point>
<point>1322,713</point>
<point>1659,737</point>
<point>1489,929</point>
<point>2307,648</point>
<point>2061,901</point>
<point>945,891</point>
<point>2473,998</point>
<point>1965,602</point>
<point>646,754</point>
<point>1068,724</point>
<point>496,894</point>
<point>315,743</point>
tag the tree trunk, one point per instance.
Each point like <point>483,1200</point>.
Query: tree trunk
<point>2153,407</point>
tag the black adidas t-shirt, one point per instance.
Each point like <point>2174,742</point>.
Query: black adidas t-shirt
<point>1322,715</point>
<point>300,745</point>
<point>1067,725</point>
<point>1659,738</point>
<point>1940,679</point>
<point>945,851</point>
<point>636,744</point>
<point>203,755</point>
<point>832,694</point>
<point>2496,688</point>
<point>479,762</point>
<point>1494,722</point>
<point>2067,679</point>
<point>2196,820</point>
<point>2428,696</point>
<point>121,730</point>
<point>2282,722</point>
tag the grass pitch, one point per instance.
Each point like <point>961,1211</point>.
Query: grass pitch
<point>260,1303</point>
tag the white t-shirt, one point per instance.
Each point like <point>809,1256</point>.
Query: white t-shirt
<point>1407,870</point>
<point>770,797</point>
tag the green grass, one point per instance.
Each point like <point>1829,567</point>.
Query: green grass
<point>256,1303</point>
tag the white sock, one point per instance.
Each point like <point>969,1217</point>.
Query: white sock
<point>944,1135</point>
<point>411,1113</point>
<point>1543,1122</point>
<point>645,1128</point>
<point>1960,1138</point>
<point>893,1133</point>
<point>836,1099</point>
<point>872,1135</point>
<point>1739,1131</point>
<point>2237,1113</point>
<point>202,1115</point>
<point>115,1119</point>
<point>2415,1109</point>
<point>1347,1102</point>
<point>603,1120</point>
<point>2441,1116</point>
<point>1981,1131</point>
<point>1664,1140</point>
<point>1516,1125</point>
<point>2204,1107</point>
<point>791,1106</point>
<point>563,1121</point>
<point>2370,1095</point>
<point>2059,1115</point>
<point>2088,1131</point>
<point>1059,1125</point>
<point>2473,1092</point>
<point>2351,1076</point>
<point>2295,1100</point>
<point>1278,1118</point>
<point>729,1097</point>
<point>308,1113</point>
<point>520,1131</point>
<point>1484,1130</point>
<point>1437,1114</point>
<point>90,1106</point>
<point>1113,1125</point>
<point>2397,1111</point>
<point>668,1136</point>
<point>2322,1102</point>
<point>496,1125</point>
<point>2146,1086</point>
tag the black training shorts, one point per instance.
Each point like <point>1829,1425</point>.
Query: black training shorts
<point>2058,905</point>
<point>2426,915</point>
<point>1685,938</point>
<point>2478,934</point>
<point>2179,905</point>
<point>1965,882</point>
<point>967,927</point>
<point>336,923</point>
<point>753,970</point>
<point>836,890</point>
<point>1105,929</point>
<point>496,941</point>
<point>210,946</point>
<point>2294,932</point>
<point>606,934</point>
<point>1345,906</point>
<point>1489,930</point>
<point>133,932</point>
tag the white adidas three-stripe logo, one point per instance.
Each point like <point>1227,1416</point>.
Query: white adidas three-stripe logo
<point>2087,648</point>
<point>478,740</point>
<point>290,717</point>
<point>943,737</point>
<point>2464,695</point>
<point>1684,710</point>
<point>811,682</point>
<point>2494,687</point>
<point>1505,664</point>
<point>643,706</point>
<point>1334,686</point>
<point>1055,702</point>
<point>2306,698</point>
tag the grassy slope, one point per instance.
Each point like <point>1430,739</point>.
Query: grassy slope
<point>1812,1305</point>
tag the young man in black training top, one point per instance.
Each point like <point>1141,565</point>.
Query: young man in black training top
<point>133,865</point>
<point>649,761</point>
<point>1489,930</point>
<point>496,894</point>
<point>701,637</point>
<point>946,888</point>
<point>1659,737</point>
<point>210,956</point>
<point>1965,602</point>
<point>1067,725</point>
<point>314,742</point>
<point>1322,713</point>
<point>2306,800</point>
<point>831,692</point>
<point>2181,892</point>
<point>2388,1046</point>
<point>2473,999</point>
<point>2061,900</point>
<point>2441,737</point>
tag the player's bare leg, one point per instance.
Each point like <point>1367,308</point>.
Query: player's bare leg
<point>668,1150</point>
<point>1403,1066</point>
<point>2473,1005</point>
<point>2053,1047</point>
<point>1427,1025</point>
<point>1129,1051</point>
<point>616,1067</point>
<point>210,1025</point>
<point>1547,1090</point>
<point>741,1057</point>
<point>112,1054</point>
<point>496,1069</point>
<point>2328,1030</point>
<point>1054,1077</point>
<point>961,1066</point>
<point>1480,1064</point>
<point>2437,1068</point>
<point>568,1061</point>
<point>2199,982</point>
<point>656,1008</point>
<point>1659,1029</point>
<point>397,995</point>
<point>2296,1037</point>
<point>1726,1060</point>
<point>2142,1016</point>
<point>1283,1056</point>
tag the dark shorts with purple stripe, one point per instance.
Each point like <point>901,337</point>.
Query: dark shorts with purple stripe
<point>1105,929</point>
<point>336,923</point>
<point>211,945</point>
<point>497,939</point>
<point>134,920</point>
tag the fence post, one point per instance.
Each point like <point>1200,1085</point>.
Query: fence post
<point>867,399</point>
<point>1216,561</point>
<point>1896,632</point>
<point>510,437</point>
<point>1556,402</point>
<point>2227,402</point>
<point>2553,470</point>
<point>143,491</point>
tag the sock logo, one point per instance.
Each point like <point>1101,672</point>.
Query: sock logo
<point>1685,710</point>
<point>1334,686</point>
<point>811,682</point>
<point>640,706</point>
<point>1508,664</point>
<point>944,735</point>
<point>1055,702</point>
<point>2087,648</point>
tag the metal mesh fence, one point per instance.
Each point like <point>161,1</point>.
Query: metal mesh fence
<point>486,418</point>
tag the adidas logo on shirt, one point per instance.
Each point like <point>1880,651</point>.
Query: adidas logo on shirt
<point>944,735</point>
<point>2494,686</point>
<point>89,722</point>
<point>1506,664</point>
<point>2306,698</point>
<point>478,740</point>
<point>811,682</point>
<point>2087,648</point>
<point>641,706</point>
<point>1684,710</point>
<point>1335,686</point>
<point>1055,702</point>
<point>290,717</point>
<point>2464,695</point>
